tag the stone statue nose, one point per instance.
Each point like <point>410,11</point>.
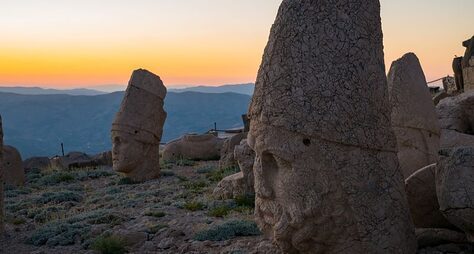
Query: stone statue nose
<point>263,187</point>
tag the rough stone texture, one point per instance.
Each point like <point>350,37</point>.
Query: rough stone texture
<point>194,147</point>
<point>69,160</point>
<point>449,84</point>
<point>138,126</point>
<point>468,65</point>
<point>2,209</point>
<point>455,188</point>
<point>242,183</point>
<point>456,118</point>
<point>414,118</point>
<point>227,152</point>
<point>327,177</point>
<point>103,159</point>
<point>437,98</point>
<point>421,194</point>
<point>13,172</point>
<point>36,163</point>
<point>438,236</point>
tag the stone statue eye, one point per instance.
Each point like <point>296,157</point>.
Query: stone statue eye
<point>307,142</point>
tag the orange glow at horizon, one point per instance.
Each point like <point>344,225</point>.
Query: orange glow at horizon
<point>209,42</point>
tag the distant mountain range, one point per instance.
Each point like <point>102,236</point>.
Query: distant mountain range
<point>240,88</point>
<point>99,90</point>
<point>37,124</point>
<point>44,91</point>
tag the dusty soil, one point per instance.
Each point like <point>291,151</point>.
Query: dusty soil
<point>76,211</point>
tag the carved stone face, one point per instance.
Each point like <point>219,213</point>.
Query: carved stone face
<point>127,152</point>
<point>292,185</point>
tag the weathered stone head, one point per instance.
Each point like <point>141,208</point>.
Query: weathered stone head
<point>414,118</point>
<point>327,178</point>
<point>138,126</point>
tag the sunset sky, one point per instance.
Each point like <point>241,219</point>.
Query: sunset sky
<point>85,43</point>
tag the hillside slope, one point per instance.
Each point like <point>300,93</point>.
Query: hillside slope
<point>37,124</point>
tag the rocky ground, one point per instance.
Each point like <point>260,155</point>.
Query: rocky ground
<point>98,211</point>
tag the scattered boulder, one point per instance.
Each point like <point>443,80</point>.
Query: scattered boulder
<point>138,126</point>
<point>438,236</point>
<point>327,177</point>
<point>103,159</point>
<point>194,147</point>
<point>227,152</point>
<point>456,118</point>
<point>70,160</point>
<point>13,173</point>
<point>421,194</point>
<point>242,183</point>
<point>36,163</point>
<point>455,188</point>
<point>414,118</point>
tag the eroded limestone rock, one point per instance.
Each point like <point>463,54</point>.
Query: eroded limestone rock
<point>69,160</point>
<point>13,171</point>
<point>36,163</point>
<point>242,183</point>
<point>414,118</point>
<point>138,126</point>
<point>227,151</point>
<point>455,188</point>
<point>193,147</point>
<point>327,177</point>
<point>456,118</point>
<point>421,194</point>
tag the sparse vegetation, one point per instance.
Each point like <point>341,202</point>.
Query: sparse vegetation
<point>157,214</point>
<point>228,231</point>
<point>217,175</point>
<point>126,181</point>
<point>219,211</point>
<point>109,245</point>
<point>56,178</point>
<point>59,197</point>
<point>194,206</point>
<point>182,162</point>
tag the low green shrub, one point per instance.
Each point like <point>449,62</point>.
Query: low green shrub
<point>59,234</point>
<point>156,214</point>
<point>109,245</point>
<point>219,211</point>
<point>56,178</point>
<point>182,162</point>
<point>245,201</point>
<point>93,174</point>
<point>59,197</point>
<point>193,206</point>
<point>228,230</point>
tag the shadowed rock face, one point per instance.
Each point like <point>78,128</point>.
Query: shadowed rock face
<point>327,178</point>
<point>455,188</point>
<point>421,194</point>
<point>13,171</point>
<point>414,118</point>
<point>138,126</point>
<point>242,183</point>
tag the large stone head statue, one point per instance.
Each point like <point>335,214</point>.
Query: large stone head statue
<point>327,178</point>
<point>138,126</point>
